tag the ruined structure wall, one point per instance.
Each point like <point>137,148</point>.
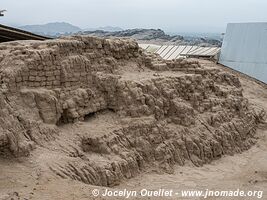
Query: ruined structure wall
<point>168,111</point>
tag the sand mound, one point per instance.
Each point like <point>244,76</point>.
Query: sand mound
<point>131,110</point>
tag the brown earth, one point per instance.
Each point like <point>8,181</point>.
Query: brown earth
<point>80,113</point>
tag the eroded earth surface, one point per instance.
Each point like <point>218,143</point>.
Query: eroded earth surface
<point>81,112</point>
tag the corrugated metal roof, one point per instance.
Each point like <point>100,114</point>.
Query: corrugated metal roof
<point>170,52</point>
<point>203,52</point>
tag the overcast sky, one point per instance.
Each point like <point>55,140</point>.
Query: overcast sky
<point>170,15</point>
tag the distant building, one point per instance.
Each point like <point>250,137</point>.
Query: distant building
<point>245,49</point>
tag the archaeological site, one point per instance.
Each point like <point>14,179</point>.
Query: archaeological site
<point>84,112</point>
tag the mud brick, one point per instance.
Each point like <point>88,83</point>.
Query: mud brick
<point>31,84</point>
<point>41,73</point>
<point>73,83</point>
<point>12,85</point>
<point>38,78</point>
<point>72,79</point>
<point>25,72</point>
<point>18,79</point>
<point>57,72</point>
<point>67,84</point>
<point>49,83</point>
<point>77,75</point>
<point>53,67</point>
<point>31,67</point>
<point>82,68</point>
<point>51,78</point>
<point>22,83</point>
<point>83,74</point>
<point>46,68</point>
<point>49,73</point>
<point>32,78</point>
<point>33,73</point>
<point>37,84</point>
<point>56,83</point>
<point>40,67</point>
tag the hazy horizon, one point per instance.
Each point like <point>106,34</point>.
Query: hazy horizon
<point>204,16</point>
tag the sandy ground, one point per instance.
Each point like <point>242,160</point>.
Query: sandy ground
<point>22,179</point>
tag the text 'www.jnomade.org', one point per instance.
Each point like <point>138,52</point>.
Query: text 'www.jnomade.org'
<point>173,193</point>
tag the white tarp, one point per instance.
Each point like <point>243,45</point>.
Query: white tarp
<point>245,49</point>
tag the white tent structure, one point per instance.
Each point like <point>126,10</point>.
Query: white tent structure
<point>245,49</point>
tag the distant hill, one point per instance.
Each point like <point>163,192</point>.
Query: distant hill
<point>138,34</point>
<point>105,28</point>
<point>52,29</point>
<point>62,28</point>
<point>155,36</point>
<point>152,36</point>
